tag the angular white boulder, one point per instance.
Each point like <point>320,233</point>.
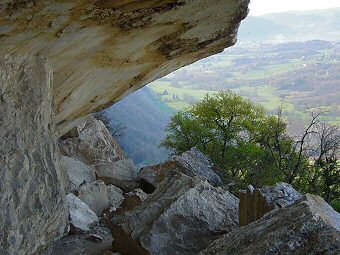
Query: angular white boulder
<point>81,216</point>
<point>254,203</point>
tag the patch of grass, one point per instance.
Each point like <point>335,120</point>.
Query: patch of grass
<point>179,102</point>
<point>336,205</point>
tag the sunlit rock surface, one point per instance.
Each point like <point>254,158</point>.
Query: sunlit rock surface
<point>102,50</point>
<point>310,226</point>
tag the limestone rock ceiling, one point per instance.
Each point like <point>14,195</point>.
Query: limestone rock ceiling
<point>101,51</point>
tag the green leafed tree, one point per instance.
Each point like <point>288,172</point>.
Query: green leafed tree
<point>241,139</point>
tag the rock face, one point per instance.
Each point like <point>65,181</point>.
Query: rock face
<point>100,197</point>
<point>78,172</point>
<point>195,163</point>
<point>254,203</point>
<point>94,144</point>
<point>81,216</point>
<point>191,163</point>
<point>102,51</point>
<point>310,227</point>
<point>122,173</point>
<point>32,202</point>
<point>182,216</point>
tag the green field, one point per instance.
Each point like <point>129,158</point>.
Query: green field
<point>256,74</point>
<point>167,93</point>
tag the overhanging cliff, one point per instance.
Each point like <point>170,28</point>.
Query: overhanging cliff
<point>101,51</point>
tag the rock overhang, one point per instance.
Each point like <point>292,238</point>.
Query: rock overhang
<point>101,51</point>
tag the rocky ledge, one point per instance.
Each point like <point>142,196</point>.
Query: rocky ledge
<point>101,50</point>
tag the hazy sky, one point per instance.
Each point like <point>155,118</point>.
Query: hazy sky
<point>259,7</point>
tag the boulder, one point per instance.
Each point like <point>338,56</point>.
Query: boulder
<point>254,203</point>
<point>94,144</point>
<point>100,197</point>
<point>81,216</point>
<point>122,173</point>
<point>182,216</point>
<point>33,209</point>
<point>95,134</point>
<point>309,226</point>
<point>281,195</point>
<point>115,196</point>
<point>78,172</point>
<point>195,163</point>
<point>191,163</point>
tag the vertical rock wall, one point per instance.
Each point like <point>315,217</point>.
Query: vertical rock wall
<point>32,212</point>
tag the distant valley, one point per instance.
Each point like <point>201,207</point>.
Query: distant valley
<point>279,59</point>
<point>301,74</point>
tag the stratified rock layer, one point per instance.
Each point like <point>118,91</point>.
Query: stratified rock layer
<point>308,227</point>
<point>182,216</point>
<point>32,202</point>
<point>101,50</point>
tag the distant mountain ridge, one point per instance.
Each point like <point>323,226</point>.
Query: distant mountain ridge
<point>292,26</point>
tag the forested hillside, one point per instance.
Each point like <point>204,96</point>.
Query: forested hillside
<point>141,119</point>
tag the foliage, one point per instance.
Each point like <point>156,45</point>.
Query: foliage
<point>336,205</point>
<point>323,176</point>
<point>237,135</point>
<point>252,147</point>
